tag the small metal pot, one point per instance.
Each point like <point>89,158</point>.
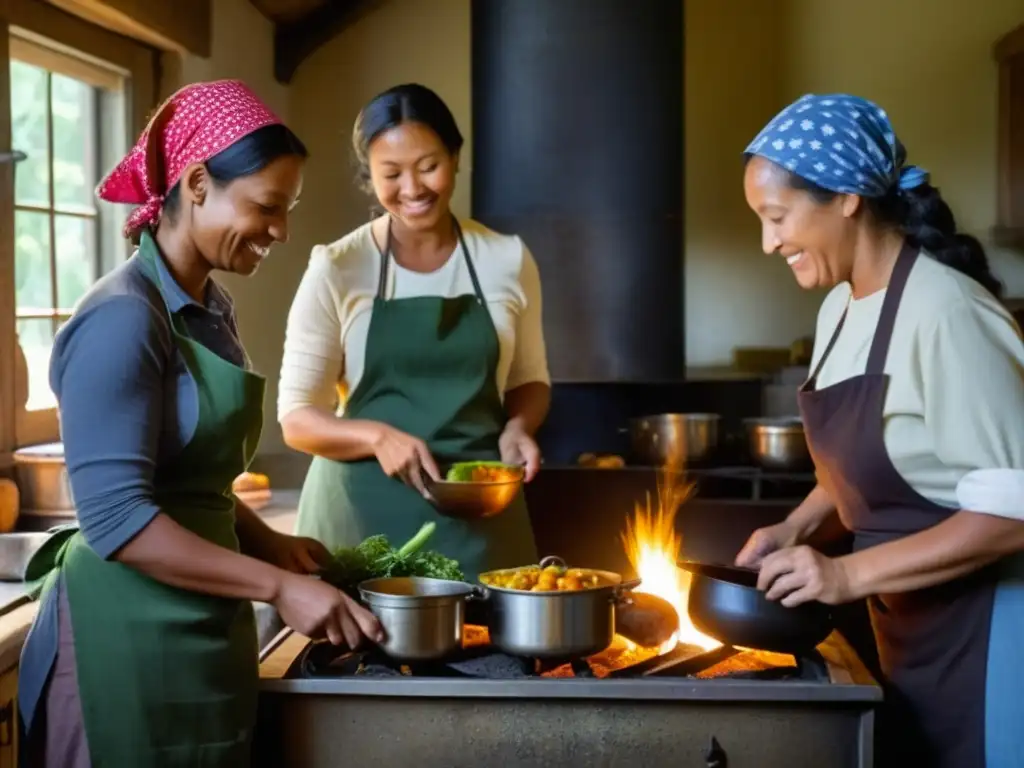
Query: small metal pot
<point>422,618</point>
<point>42,478</point>
<point>556,625</point>
<point>778,444</point>
<point>674,439</point>
<point>725,603</point>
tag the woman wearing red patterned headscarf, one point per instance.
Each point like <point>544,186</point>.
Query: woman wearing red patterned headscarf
<point>144,649</point>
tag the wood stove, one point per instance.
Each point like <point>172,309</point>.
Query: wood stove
<point>725,708</point>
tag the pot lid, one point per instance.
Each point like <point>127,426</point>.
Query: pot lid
<point>42,452</point>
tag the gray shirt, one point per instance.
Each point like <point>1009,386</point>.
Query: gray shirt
<point>127,403</point>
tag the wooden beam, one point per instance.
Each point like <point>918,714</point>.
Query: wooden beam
<point>295,42</point>
<point>287,11</point>
<point>171,25</point>
<point>1009,45</point>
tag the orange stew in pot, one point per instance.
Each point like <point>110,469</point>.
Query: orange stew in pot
<point>550,579</point>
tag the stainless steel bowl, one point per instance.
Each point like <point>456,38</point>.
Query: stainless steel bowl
<point>555,625</point>
<point>16,550</point>
<point>473,500</point>
<point>778,444</point>
<point>422,618</point>
<point>674,439</point>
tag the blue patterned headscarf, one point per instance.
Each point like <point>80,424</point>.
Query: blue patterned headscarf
<point>840,142</point>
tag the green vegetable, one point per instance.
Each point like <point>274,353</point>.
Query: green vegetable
<point>462,472</point>
<point>375,558</point>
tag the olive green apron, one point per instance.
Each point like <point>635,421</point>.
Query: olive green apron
<point>430,372</point>
<point>168,677</point>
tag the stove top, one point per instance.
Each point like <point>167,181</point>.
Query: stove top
<point>622,660</point>
<point>831,673</point>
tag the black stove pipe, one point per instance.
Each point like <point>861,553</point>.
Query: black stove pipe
<point>578,148</point>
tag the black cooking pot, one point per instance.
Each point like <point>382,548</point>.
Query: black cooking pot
<point>725,603</point>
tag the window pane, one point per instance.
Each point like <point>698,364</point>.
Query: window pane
<point>32,260</point>
<point>28,123</point>
<point>76,258</point>
<point>36,339</point>
<point>74,142</point>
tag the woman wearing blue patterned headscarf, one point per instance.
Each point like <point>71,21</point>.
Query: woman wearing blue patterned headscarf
<point>914,414</point>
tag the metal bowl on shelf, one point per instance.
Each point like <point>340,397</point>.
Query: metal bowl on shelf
<point>778,444</point>
<point>673,439</point>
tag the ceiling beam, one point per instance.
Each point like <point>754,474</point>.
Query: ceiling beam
<point>296,41</point>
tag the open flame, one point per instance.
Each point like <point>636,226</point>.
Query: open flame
<point>653,547</point>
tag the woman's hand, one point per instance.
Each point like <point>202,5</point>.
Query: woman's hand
<point>404,456</point>
<point>518,448</point>
<point>297,554</point>
<point>764,541</point>
<point>316,609</point>
<point>797,575</point>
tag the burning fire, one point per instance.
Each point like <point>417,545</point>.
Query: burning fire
<point>653,546</point>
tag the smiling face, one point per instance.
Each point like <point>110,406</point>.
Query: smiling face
<point>815,238</point>
<point>235,224</point>
<point>413,174</point>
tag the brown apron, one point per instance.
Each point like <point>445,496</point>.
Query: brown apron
<point>932,643</point>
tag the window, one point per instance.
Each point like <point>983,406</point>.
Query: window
<point>68,117</point>
<point>72,98</point>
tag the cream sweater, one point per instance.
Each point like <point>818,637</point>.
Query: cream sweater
<point>325,341</point>
<point>954,407</point>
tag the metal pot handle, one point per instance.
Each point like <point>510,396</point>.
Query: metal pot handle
<point>554,560</point>
<point>622,593</point>
<point>476,593</point>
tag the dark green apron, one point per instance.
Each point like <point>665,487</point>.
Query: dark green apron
<point>168,677</point>
<point>430,372</point>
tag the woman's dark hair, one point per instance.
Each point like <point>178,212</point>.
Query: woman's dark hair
<point>405,103</point>
<point>925,219</point>
<point>250,154</point>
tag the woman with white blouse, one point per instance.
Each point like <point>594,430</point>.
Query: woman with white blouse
<point>414,341</point>
<point>914,414</point>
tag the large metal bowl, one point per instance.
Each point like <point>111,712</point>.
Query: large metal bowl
<point>473,500</point>
<point>778,444</point>
<point>674,439</point>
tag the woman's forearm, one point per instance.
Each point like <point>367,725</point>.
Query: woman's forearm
<point>959,545</point>
<point>255,537</point>
<point>527,406</point>
<point>320,433</point>
<point>171,554</point>
<point>811,516</point>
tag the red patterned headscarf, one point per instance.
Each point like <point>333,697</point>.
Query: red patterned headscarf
<point>193,125</point>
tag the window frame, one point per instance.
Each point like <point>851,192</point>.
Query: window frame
<point>68,39</point>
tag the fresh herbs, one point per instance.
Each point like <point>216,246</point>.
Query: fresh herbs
<point>375,558</point>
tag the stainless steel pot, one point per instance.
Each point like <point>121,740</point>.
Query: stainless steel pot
<point>673,439</point>
<point>42,478</point>
<point>778,444</point>
<point>556,625</point>
<point>422,618</point>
